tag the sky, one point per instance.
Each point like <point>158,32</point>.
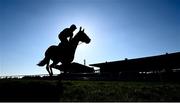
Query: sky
<point>118,29</point>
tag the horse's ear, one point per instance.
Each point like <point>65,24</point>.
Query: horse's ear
<point>83,30</point>
<point>80,28</point>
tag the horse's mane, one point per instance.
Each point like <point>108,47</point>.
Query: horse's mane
<point>74,37</point>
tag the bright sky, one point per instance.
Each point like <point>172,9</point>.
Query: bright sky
<point>118,29</point>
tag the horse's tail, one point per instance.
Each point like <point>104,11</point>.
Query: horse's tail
<point>43,62</point>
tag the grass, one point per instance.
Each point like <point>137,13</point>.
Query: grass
<point>120,91</point>
<point>53,90</point>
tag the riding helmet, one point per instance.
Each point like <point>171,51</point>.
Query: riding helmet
<point>73,26</point>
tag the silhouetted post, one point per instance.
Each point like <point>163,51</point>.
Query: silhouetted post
<point>84,62</point>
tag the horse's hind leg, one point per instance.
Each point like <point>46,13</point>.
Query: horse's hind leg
<point>52,66</point>
<point>47,68</point>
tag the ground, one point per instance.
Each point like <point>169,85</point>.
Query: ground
<point>84,90</point>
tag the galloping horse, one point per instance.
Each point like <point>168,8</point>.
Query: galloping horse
<point>62,54</point>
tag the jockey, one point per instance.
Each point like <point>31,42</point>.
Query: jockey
<point>67,32</point>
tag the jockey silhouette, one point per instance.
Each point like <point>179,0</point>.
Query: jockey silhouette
<point>67,32</point>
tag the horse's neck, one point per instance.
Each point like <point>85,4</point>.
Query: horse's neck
<point>74,42</point>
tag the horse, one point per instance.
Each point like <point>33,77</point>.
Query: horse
<point>62,54</point>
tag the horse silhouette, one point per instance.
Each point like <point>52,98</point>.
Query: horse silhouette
<point>62,53</point>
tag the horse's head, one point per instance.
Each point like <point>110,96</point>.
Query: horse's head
<point>81,35</point>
